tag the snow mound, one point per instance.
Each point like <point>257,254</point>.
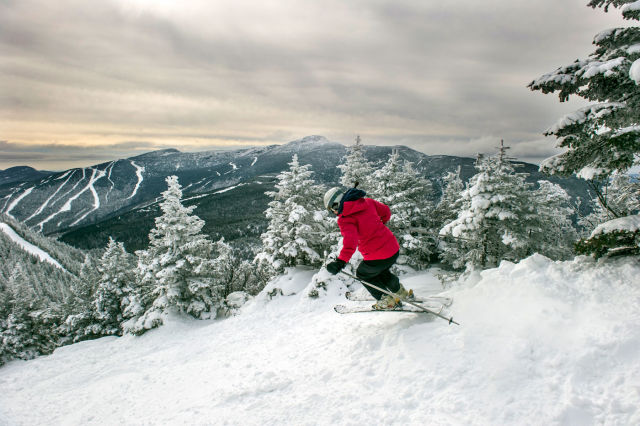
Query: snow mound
<point>627,223</point>
<point>541,342</point>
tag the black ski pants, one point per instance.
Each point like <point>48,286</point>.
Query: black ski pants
<point>377,272</point>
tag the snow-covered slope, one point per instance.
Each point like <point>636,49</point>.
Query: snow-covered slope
<point>540,343</point>
<point>28,247</point>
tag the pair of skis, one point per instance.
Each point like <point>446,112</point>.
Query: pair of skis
<point>431,305</point>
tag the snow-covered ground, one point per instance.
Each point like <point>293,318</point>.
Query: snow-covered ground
<point>540,343</point>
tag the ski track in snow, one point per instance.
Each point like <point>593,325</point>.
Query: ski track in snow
<point>540,342</point>
<point>62,197</point>
<point>15,202</point>
<point>27,246</point>
<point>228,189</point>
<point>139,171</point>
<point>64,175</point>
<point>89,187</point>
<point>96,197</point>
<point>8,198</point>
<point>46,203</point>
<point>110,167</point>
<point>254,161</point>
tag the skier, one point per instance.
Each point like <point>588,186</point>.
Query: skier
<point>362,225</point>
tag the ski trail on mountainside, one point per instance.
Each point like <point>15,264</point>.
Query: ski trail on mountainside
<point>139,170</point>
<point>96,197</point>
<point>46,203</point>
<point>15,202</point>
<point>27,246</point>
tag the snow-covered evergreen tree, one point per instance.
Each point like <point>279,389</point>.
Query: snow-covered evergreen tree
<point>398,185</point>
<point>80,322</point>
<point>450,202</point>
<point>617,203</point>
<point>356,168</point>
<point>25,335</point>
<point>619,197</point>
<point>604,137</point>
<point>295,234</point>
<point>176,270</point>
<point>491,224</point>
<point>503,218</point>
<point>114,288</point>
<point>551,231</point>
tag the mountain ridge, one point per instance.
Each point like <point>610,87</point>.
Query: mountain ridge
<point>80,201</point>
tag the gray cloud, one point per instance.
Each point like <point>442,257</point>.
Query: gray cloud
<point>438,76</point>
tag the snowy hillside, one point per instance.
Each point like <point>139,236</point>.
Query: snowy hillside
<point>27,246</point>
<point>540,342</point>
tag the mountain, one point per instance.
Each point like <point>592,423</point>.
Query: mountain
<point>21,174</point>
<point>78,197</point>
<point>119,198</point>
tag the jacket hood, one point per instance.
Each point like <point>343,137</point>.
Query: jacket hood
<point>352,194</point>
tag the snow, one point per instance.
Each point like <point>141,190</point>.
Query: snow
<point>15,202</point>
<point>95,176</point>
<point>254,161</point>
<point>607,68</point>
<point>139,170</point>
<point>540,342</point>
<point>110,167</point>
<point>46,203</point>
<point>228,189</point>
<point>634,48</point>
<point>27,246</point>
<point>630,7</point>
<point>627,223</point>
<point>634,71</point>
<point>583,114</point>
<point>588,173</point>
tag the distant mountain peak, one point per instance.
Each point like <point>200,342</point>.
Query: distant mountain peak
<point>158,153</point>
<point>19,169</point>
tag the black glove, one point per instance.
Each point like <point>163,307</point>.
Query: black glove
<point>336,266</point>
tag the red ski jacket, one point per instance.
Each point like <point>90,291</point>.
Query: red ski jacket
<point>362,226</point>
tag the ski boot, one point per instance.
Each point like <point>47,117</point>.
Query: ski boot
<point>387,303</point>
<point>405,294</point>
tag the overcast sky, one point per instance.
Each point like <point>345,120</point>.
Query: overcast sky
<point>83,82</point>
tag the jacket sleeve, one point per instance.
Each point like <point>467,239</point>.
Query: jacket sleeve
<point>383,211</point>
<point>349,232</point>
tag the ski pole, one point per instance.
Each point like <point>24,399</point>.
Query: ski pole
<point>450,320</point>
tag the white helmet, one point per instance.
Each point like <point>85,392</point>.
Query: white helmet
<point>332,198</point>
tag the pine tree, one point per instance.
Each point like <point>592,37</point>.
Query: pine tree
<point>294,235</point>
<point>5,310</point>
<point>114,289</point>
<point>617,203</point>
<point>406,193</point>
<point>620,196</point>
<point>551,231</point>
<point>81,316</point>
<point>491,225</point>
<point>356,168</point>
<point>604,137</point>
<point>176,268</point>
<point>25,336</point>
<point>450,203</point>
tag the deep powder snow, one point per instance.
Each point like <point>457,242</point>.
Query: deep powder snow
<point>540,342</point>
